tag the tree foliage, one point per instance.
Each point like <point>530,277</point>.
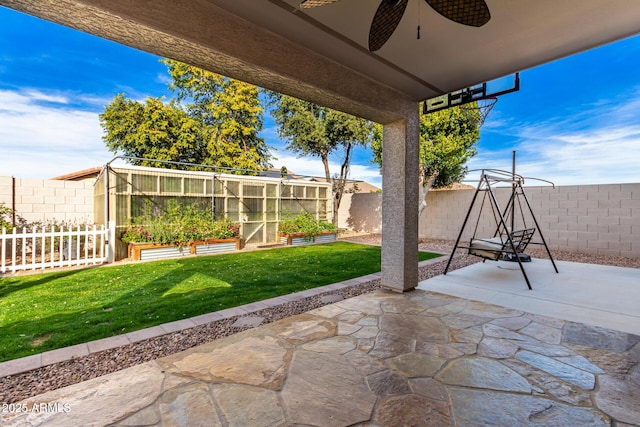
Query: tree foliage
<point>312,130</point>
<point>152,130</point>
<point>212,120</point>
<point>447,141</point>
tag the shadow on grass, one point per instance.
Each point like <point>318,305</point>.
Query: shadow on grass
<point>8,286</point>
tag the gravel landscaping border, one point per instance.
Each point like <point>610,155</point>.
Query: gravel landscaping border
<point>15,388</point>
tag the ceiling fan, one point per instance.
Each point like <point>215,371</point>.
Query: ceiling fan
<point>474,13</point>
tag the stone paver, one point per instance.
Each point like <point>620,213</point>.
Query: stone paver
<point>381,359</point>
<point>325,390</point>
<point>497,348</point>
<point>495,331</point>
<point>252,359</point>
<point>593,336</point>
<point>245,406</point>
<point>337,345</point>
<point>420,328</point>
<point>620,398</point>
<point>513,323</point>
<point>100,401</point>
<point>486,408</point>
<point>189,405</point>
<point>558,369</point>
<point>483,373</point>
<point>428,387</point>
<point>542,332</point>
<point>546,384</point>
<point>413,365</point>
<point>388,383</point>
<point>413,410</point>
<point>304,328</point>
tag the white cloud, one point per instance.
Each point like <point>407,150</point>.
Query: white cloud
<point>599,145</point>
<point>44,134</point>
<point>312,166</point>
<point>163,78</point>
<point>41,137</point>
<point>36,95</point>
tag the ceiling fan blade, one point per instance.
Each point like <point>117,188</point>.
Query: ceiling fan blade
<point>474,13</point>
<point>385,22</point>
<point>308,4</point>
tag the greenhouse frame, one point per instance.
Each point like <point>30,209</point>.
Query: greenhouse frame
<point>257,203</point>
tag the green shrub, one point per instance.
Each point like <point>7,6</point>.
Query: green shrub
<point>5,217</point>
<point>305,223</point>
<point>179,225</point>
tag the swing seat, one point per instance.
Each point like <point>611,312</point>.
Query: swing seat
<point>493,248</point>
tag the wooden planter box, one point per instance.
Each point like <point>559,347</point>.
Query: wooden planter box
<point>294,239</point>
<point>149,251</point>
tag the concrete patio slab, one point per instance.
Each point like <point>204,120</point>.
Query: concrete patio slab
<point>586,293</point>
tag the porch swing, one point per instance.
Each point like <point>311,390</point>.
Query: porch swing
<point>507,243</point>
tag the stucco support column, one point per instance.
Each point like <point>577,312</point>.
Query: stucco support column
<point>400,142</point>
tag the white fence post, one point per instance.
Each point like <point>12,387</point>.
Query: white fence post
<point>3,250</point>
<point>111,242</point>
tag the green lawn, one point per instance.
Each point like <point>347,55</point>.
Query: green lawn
<point>48,311</point>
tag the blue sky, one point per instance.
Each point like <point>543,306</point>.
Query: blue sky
<point>574,121</point>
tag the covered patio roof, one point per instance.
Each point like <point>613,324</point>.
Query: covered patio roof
<point>322,55</point>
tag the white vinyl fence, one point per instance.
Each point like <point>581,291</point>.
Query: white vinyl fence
<point>55,247</point>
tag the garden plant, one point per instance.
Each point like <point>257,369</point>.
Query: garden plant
<point>304,223</point>
<point>178,224</point>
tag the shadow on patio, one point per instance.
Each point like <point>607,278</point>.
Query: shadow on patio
<point>387,359</point>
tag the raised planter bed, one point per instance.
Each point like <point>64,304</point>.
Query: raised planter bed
<point>150,251</point>
<point>294,239</point>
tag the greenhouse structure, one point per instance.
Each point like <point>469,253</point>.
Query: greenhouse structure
<point>257,203</point>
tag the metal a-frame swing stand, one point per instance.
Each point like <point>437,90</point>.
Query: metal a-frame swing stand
<point>506,242</point>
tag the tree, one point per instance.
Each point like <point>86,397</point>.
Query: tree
<point>447,140</point>
<point>213,120</point>
<point>230,107</point>
<point>312,130</point>
<point>152,130</point>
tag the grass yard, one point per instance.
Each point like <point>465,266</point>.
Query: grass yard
<point>47,311</point>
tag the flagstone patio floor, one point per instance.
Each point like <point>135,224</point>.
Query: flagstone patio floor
<point>380,359</point>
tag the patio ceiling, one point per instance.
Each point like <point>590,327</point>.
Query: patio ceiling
<point>321,54</point>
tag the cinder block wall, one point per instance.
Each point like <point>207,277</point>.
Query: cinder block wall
<point>41,200</point>
<point>361,212</point>
<point>591,219</point>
